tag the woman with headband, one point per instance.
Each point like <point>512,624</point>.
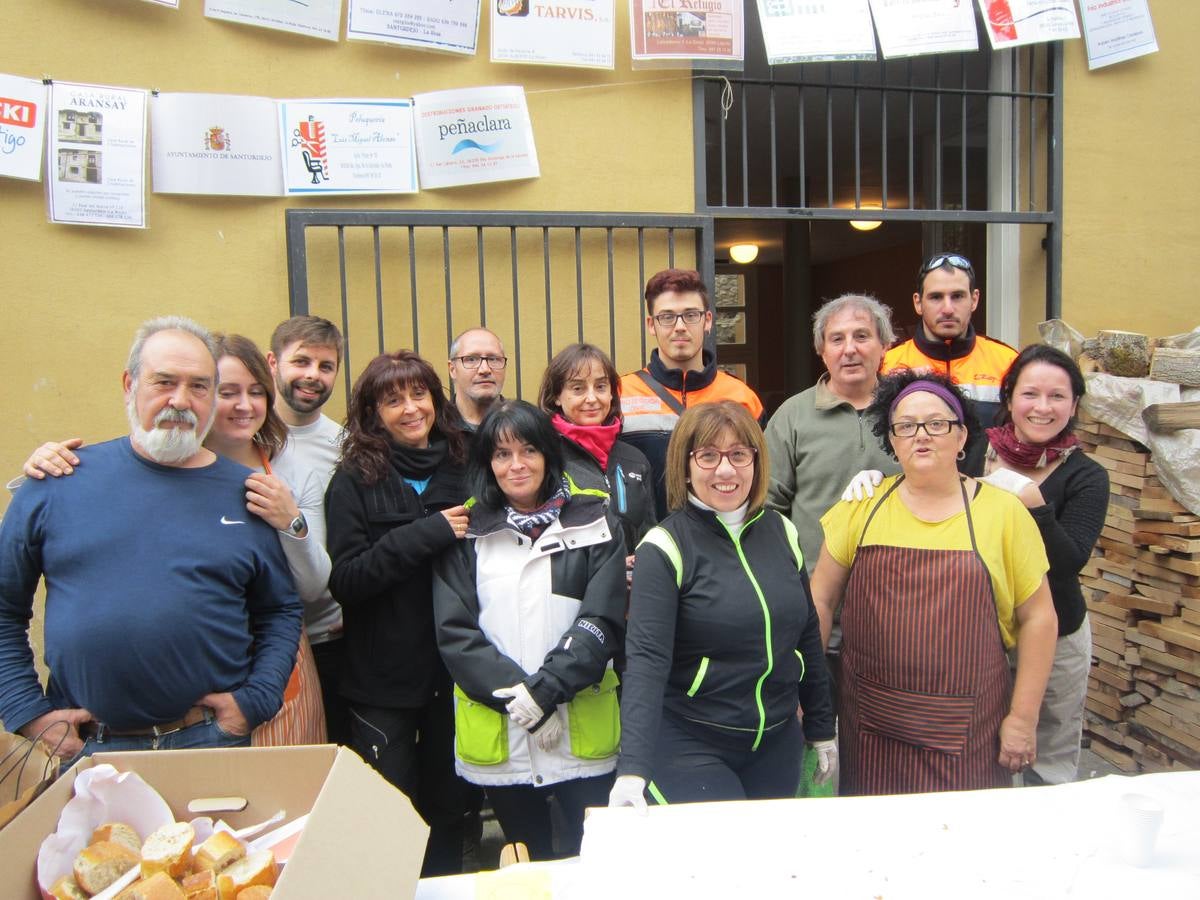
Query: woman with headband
<point>937,579</point>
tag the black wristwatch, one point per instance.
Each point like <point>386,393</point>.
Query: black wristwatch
<point>297,525</point>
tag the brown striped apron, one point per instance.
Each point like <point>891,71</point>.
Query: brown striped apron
<point>925,679</point>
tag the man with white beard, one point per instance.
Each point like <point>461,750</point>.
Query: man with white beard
<point>171,618</point>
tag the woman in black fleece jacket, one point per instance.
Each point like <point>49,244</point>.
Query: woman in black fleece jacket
<point>394,504</point>
<point>1034,454</point>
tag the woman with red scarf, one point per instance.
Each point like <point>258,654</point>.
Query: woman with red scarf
<point>1034,454</point>
<point>581,391</point>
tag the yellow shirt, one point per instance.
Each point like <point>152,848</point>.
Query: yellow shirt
<point>1005,534</point>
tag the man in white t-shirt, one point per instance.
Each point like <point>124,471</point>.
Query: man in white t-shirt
<point>305,356</point>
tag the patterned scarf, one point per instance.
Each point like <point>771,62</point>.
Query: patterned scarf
<point>534,523</point>
<point>1016,452</point>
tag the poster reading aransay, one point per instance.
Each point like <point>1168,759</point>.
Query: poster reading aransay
<point>662,31</point>
<point>474,135</point>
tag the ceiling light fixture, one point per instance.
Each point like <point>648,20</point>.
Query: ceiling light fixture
<point>743,253</point>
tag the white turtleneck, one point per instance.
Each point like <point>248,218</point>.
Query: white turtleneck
<point>734,519</point>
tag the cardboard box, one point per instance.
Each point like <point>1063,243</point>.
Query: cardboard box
<point>363,837</point>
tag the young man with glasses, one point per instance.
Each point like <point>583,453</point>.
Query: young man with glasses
<point>477,368</point>
<point>947,343</point>
<point>681,372</point>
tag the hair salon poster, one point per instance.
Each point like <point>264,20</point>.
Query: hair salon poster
<point>96,156</point>
<point>347,146</point>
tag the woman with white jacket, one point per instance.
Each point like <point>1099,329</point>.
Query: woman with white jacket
<point>529,611</point>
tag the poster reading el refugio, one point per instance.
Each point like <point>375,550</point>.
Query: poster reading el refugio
<point>678,31</point>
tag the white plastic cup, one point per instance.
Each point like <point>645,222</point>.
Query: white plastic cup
<point>1138,822</point>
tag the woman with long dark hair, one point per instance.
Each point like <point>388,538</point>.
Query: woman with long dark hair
<point>394,504</point>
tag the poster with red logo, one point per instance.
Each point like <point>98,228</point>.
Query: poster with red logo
<point>1012,23</point>
<point>22,125</point>
<point>562,33</point>
<point>665,32</point>
<point>215,144</point>
<point>96,155</point>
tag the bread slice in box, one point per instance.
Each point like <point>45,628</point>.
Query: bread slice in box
<point>100,864</point>
<point>221,849</point>
<point>169,850</point>
<point>255,868</point>
<point>159,886</point>
<point>120,833</point>
<point>66,889</point>
<point>257,892</point>
<point>200,885</point>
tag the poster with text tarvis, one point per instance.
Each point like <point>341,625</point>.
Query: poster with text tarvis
<point>666,31</point>
<point>22,127</point>
<point>1012,23</point>
<point>1116,30</point>
<point>916,27</point>
<point>315,18</point>
<point>96,155</point>
<point>450,25</point>
<point>347,146</point>
<point>562,33</point>
<point>797,31</point>
<point>474,135</point>
<point>215,144</point>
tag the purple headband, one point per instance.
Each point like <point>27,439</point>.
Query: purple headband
<point>929,387</point>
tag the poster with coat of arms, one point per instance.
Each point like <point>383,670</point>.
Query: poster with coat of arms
<point>215,144</point>
<point>347,146</point>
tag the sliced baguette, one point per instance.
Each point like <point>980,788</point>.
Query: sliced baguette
<point>257,892</point>
<point>159,886</point>
<point>256,868</point>
<point>169,850</point>
<point>100,864</point>
<point>221,849</point>
<point>67,889</point>
<point>120,833</point>
<point>200,885</point>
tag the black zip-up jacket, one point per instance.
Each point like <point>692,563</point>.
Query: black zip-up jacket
<point>382,541</point>
<point>593,574</point>
<point>628,480</point>
<point>730,640</point>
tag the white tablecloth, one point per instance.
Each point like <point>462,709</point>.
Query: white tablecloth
<point>1050,842</point>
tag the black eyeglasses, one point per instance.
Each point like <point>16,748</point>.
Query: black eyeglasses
<point>689,316</point>
<point>946,259</point>
<point>495,363</point>
<point>933,428</point>
<point>710,457</point>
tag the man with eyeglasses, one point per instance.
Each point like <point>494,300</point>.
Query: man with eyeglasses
<point>946,342</point>
<point>681,372</point>
<point>477,367</point>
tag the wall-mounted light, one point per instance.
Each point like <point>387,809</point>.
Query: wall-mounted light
<point>865,225</point>
<point>743,253</point>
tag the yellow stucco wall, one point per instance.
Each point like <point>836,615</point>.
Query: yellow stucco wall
<point>73,296</point>
<point>1130,132</point>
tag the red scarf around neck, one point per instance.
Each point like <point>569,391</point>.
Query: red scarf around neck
<point>595,439</point>
<point>1016,452</point>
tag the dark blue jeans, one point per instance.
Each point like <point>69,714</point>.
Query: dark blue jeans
<point>206,734</point>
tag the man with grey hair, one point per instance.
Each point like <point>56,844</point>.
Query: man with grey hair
<point>817,439</point>
<point>477,369</point>
<point>171,618</point>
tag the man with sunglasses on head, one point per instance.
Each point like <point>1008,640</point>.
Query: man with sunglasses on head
<point>946,342</point>
<point>477,367</point>
<point>681,372</point>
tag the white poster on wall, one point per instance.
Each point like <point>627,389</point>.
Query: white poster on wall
<point>174,4</point>
<point>814,31</point>
<point>1012,23</point>
<point>1116,30</point>
<point>664,32</point>
<point>451,25</point>
<point>916,27</point>
<point>22,127</point>
<point>567,33</point>
<point>215,144</point>
<point>474,135</point>
<point>96,156</point>
<point>315,18</point>
<point>348,146</point>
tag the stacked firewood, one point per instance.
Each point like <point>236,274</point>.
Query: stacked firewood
<point>1142,587</point>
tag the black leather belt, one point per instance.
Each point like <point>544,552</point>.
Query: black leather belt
<point>193,716</point>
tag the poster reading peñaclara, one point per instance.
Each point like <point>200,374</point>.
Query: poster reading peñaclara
<point>678,31</point>
<point>474,135</point>
<point>96,155</point>
<point>347,146</point>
